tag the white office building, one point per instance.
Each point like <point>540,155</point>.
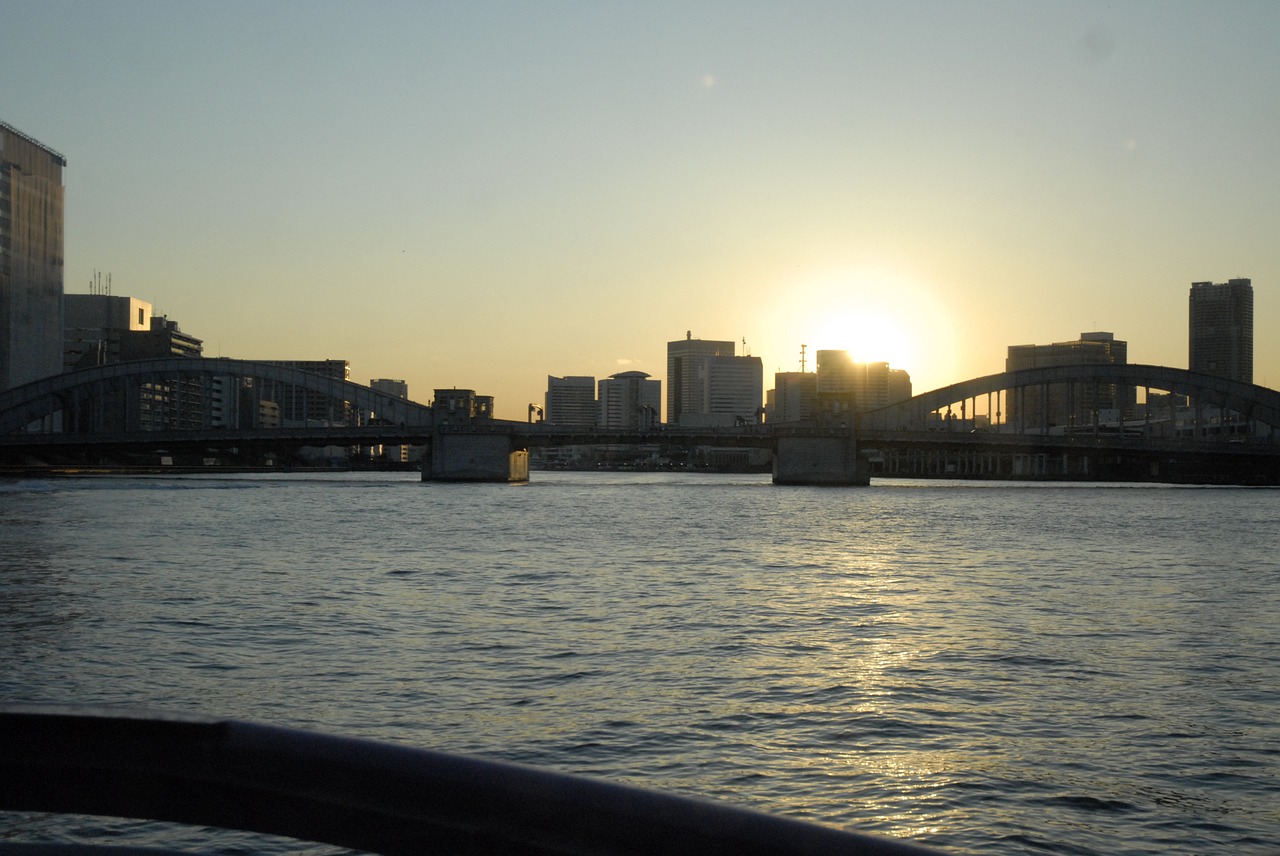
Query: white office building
<point>707,385</point>
<point>630,400</point>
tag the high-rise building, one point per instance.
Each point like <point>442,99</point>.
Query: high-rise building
<point>400,389</point>
<point>96,326</point>
<point>708,385</point>
<point>175,403</point>
<point>1221,329</point>
<point>103,328</point>
<point>843,384</point>
<point>570,401</point>
<point>1089,349</point>
<point>1069,405</point>
<point>629,400</point>
<point>162,338</point>
<point>31,198</point>
<point>899,385</point>
<point>736,391</point>
<point>794,397</point>
<point>689,375</point>
<point>301,406</point>
<point>232,404</point>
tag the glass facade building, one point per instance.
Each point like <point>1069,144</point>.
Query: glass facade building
<point>31,264</point>
<point>1221,329</point>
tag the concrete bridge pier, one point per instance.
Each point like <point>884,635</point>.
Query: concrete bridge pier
<point>475,458</point>
<point>820,460</point>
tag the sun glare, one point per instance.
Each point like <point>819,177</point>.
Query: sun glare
<point>876,315</point>
<point>870,335</point>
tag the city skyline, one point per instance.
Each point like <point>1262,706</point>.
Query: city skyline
<point>482,196</point>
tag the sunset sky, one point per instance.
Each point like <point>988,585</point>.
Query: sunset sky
<point>479,194</point>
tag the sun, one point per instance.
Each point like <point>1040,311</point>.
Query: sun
<point>873,313</point>
<point>870,334</point>
<point>891,313</point>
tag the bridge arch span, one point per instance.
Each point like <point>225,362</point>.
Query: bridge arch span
<point>73,391</point>
<point>1255,403</point>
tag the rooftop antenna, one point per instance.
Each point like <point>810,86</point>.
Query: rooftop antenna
<point>746,352</point>
<point>802,347</point>
<point>97,286</point>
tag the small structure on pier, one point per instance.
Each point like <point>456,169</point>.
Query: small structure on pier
<point>462,450</point>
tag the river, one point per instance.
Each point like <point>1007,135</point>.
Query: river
<point>978,667</point>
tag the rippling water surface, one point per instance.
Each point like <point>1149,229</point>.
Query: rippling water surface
<point>978,667</point>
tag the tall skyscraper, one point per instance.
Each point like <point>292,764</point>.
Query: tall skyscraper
<point>708,385</point>
<point>1221,329</point>
<point>688,374</point>
<point>570,401</point>
<point>844,384</point>
<point>30,259</point>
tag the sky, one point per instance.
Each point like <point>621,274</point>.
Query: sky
<point>481,194</point>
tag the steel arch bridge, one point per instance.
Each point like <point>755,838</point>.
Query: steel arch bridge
<point>78,400</point>
<point>1253,403</point>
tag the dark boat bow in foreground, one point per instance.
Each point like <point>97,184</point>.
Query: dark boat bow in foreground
<point>361,794</point>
